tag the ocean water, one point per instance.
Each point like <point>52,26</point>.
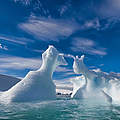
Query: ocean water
<point>62,109</point>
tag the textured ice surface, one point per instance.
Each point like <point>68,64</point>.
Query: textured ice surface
<point>37,85</point>
<point>97,83</point>
<point>79,84</point>
<point>89,77</point>
<point>113,89</point>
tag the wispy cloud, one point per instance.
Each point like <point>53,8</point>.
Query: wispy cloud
<point>87,46</point>
<point>64,8</point>
<point>19,63</point>
<point>38,51</point>
<point>63,69</point>
<point>26,2</point>
<point>16,40</point>
<point>98,25</point>
<point>94,23</point>
<point>48,29</point>
<point>64,72</point>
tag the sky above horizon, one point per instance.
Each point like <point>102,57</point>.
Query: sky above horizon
<point>77,27</point>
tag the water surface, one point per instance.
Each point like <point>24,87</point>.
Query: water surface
<point>60,110</point>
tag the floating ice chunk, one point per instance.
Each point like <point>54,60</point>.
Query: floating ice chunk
<point>37,85</point>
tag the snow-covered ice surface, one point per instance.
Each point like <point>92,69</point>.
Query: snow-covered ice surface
<point>37,85</point>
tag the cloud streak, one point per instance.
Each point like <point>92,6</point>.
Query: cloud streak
<point>63,86</point>
<point>87,46</point>
<point>48,29</point>
<point>19,63</point>
<point>16,40</point>
<point>26,2</point>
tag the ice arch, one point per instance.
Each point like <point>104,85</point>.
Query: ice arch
<point>37,85</point>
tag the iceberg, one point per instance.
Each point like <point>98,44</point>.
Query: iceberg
<point>94,81</point>
<point>80,68</point>
<point>37,85</point>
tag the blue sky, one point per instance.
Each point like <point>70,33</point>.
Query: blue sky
<point>76,27</point>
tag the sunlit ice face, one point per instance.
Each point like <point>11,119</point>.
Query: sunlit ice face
<point>50,54</point>
<point>78,65</point>
<point>75,66</point>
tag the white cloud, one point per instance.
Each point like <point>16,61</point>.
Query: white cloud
<point>26,2</point>
<point>63,69</point>
<point>48,29</point>
<point>19,63</point>
<point>87,46</point>
<point>97,70</point>
<point>92,24</point>
<point>16,40</point>
<point>114,74</point>
<point>64,72</point>
<point>64,8</point>
<point>38,51</point>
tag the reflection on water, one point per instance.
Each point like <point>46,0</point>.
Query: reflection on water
<point>60,110</point>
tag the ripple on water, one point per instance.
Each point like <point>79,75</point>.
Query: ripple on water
<point>60,110</point>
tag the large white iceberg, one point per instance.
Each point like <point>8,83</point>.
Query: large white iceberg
<point>37,85</point>
<point>94,84</point>
<point>80,68</point>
